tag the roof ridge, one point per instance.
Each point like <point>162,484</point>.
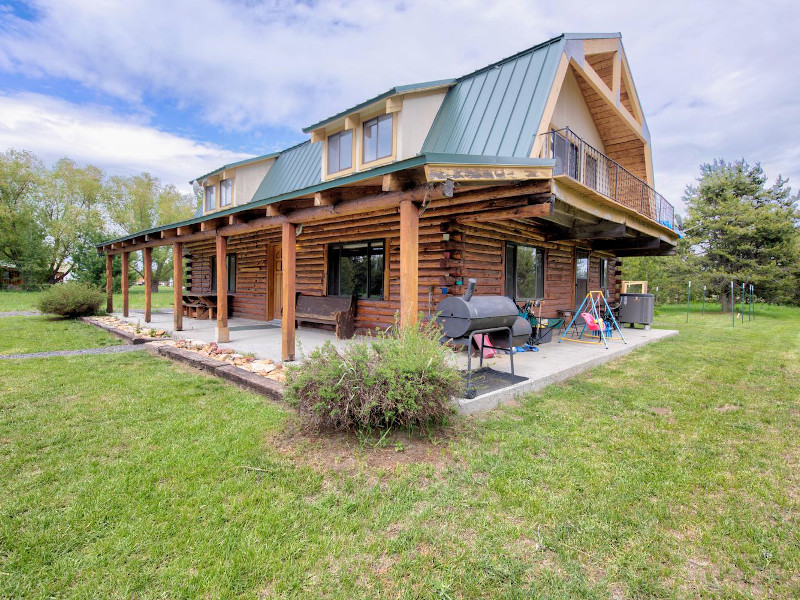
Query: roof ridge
<point>507,59</point>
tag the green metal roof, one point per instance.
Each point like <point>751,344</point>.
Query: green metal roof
<point>490,116</point>
<point>496,111</point>
<point>240,163</point>
<point>296,168</point>
<point>400,89</point>
<point>304,158</point>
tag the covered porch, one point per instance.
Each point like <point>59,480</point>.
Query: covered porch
<point>553,363</point>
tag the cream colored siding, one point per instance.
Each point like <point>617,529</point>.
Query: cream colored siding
<point>246,180</point>
<point>571,111</point>
<point>415,120</point>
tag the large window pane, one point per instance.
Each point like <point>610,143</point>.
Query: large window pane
<point>211,197</point>
<point>385,136</point>
<point>333,154</point>
<point>225,192</point>
<point>356,269</point>
<point>345,150</point>
<point>370,142</point>
<point>524,272</point>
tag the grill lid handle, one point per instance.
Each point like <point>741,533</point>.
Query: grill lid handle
<point>470,289</point>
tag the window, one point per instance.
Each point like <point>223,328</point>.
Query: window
<point>211,197</point>
<point>603,273</point>
<point>356,269</point>
<point>524,272</point>
<point>340,151</point>
<point>225,192</point>
<point>231,273</point>
<point>377,142</point>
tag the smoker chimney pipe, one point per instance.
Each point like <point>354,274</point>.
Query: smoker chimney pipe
<point>470,289</point>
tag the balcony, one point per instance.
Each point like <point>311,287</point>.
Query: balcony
<point>588,166</point>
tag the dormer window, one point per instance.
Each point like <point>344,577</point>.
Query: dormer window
<point>211,197</point>
<point>340,151</point>
<point>225,192</point>
<point>377,138</point>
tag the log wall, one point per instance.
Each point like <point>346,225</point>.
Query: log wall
<point>473,250</point>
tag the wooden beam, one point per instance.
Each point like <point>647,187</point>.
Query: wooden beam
<point>273,210</point>
<point>186,230</point>
<point>377,202</point>
<point>126,257</point>
<point>326,198</point>
<point>222,332</point>
<point>394,104</point>
<point>177,286</point>
<point>109,283</point>
<point>318,135</point>
<point>600,46</point>
<point>599,86</point>
<point>193,237</point>
<point>520,212</point>
<point>627,244</point>
<point>593,232</point>
<point>616,76</point>
<point>288,255</point>
<point>409,263</point>
<point>486,174</point>
<point>147,259</point>
<point>550,106</point>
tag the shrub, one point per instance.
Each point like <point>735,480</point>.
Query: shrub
<point>71,300</point>
<point>403,379</point>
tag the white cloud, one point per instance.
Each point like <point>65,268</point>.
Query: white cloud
<point>715,77</point>
<point>53,128</point>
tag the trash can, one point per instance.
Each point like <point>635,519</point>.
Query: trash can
<point>636,309</point>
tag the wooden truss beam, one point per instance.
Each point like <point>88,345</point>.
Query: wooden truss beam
<point>593,232</point>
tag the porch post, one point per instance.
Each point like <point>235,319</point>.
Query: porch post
<point>124,282</point>
<point>409,263</point>
<point>222,332</point>
<point>147,258</point>
<point>177,286</point>
<point>288,251</point>
<point>109,283</point>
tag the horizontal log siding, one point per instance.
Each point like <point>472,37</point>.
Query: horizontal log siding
<point>474,249</point>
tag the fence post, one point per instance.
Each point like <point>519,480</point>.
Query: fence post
<point>703,312</point>
<point>688,299</point>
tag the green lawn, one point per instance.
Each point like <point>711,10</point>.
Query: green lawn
<point>39,334</point>
<point>672,473</point>
<point>16,300</point>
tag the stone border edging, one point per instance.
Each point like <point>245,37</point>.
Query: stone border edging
<point>219,368</point>
<point>119,333</point>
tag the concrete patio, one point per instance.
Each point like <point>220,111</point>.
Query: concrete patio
<point>554,362</point>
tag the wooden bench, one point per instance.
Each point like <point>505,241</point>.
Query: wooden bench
<point>202,306</point>
<point>328,310</point>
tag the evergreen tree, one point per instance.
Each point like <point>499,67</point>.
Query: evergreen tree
<point>742,230</point>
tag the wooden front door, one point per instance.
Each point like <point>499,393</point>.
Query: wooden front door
<point>274,282</point>
<point>581,276</point>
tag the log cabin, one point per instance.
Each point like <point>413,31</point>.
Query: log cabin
<point>533,175</point>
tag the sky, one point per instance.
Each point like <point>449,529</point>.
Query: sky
<point>177,88</point>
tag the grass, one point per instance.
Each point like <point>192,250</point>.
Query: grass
<point>12,300</point>
<point>19,335</point>
<point>671,473</point>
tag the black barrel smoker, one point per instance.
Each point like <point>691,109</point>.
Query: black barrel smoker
<point>495,317</point>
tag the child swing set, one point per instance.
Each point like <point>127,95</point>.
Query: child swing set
<point>601,328</point>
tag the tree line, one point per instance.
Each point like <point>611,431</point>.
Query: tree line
<point>739,228</point>
<point>51,218</point>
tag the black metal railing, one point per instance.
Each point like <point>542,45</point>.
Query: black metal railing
<point>587,165</point>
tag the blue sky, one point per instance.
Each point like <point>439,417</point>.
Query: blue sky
<point>178,88</point>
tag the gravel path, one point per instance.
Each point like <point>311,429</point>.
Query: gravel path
<point>19,313</point>
<point>84,352</point>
